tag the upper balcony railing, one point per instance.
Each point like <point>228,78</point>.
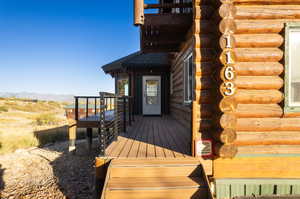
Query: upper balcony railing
<point>176,7</point>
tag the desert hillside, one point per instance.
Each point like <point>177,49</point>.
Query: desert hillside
<point>25,123</point>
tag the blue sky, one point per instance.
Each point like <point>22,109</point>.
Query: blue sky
<point>58,46</point>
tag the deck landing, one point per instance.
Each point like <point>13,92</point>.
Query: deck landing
<point>152,137</point>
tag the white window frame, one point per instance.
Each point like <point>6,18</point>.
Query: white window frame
<point>186,70</point>
<point>289,106</point>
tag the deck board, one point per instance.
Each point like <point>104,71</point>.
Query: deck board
<point>152,137</point>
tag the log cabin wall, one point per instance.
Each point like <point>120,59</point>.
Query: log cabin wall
<point>266,138</point>
<point>204,39</point>
<point>256,29</point>
<point>180,111</point>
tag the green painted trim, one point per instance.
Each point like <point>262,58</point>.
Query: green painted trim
<point>287,107</point>
<point>228,188</point>
<point>267,155</point>
<point>257,181</point>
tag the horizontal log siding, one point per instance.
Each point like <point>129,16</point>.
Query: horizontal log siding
<point>178,110</point>
<point>262,126</point>
<point>205,55</point>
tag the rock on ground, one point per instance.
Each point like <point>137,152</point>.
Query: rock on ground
<point>49,173</point>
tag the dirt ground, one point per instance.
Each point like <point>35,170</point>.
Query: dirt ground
<point>49,172</point>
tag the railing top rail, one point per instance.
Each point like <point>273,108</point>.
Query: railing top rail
<point>86,96</point>
<point>104,96</point>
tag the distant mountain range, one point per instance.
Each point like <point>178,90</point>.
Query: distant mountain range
<point>38,96</point>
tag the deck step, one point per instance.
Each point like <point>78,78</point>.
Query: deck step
<point>151,183</point>
<point>192,193</point>
<point>156,179</point>
<point>155,168</point>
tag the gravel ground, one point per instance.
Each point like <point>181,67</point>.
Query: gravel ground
<point>49,172</point>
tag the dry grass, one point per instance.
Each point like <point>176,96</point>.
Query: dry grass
<point>14,141</point>
<point>25,119</point>
<point>47,119</point>
<point>3,109</point>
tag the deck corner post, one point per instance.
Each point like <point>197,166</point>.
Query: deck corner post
<point>101,130</point>
<point>72,128</point>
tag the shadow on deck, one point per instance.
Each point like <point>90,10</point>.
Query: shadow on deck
<point>152,137</point>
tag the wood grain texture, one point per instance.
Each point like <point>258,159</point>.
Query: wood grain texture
<point>258,54</point>
<point>268,124</point>
<point>258,68</point>
<point>268,12</point>
<point>267,138</point>
<point>244,96</point>
<point>254,41</point>
<point>259,82</point>
<point>259,167</point>
<point>258,110</point>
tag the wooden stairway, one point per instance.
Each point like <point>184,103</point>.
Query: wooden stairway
<point>155,179</point>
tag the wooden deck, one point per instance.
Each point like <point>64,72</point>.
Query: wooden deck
<point>152,137</point>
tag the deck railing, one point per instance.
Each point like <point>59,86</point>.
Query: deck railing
<point>110,113</point>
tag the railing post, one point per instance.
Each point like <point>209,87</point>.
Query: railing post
<point>129,110</point>
<point>101,130</point>
<point>116,118</point>
<point>76,108</point>
<point>95,106</point>
<point>87,108</point>
<point>132,108</point>
<point>124,114</point>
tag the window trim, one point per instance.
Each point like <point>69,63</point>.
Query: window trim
<point>186,60</point>
<point>288,108</point>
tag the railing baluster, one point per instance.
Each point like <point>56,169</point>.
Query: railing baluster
<point>76,108</point>
<point>116,118</point>
<point>132,102</point>
<point>95,106</point>
<point>129,110</point>
<point>87,108</point>
<point>124,113</point>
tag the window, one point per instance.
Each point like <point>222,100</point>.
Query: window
<point>122,87</point>
<point>188,79</point>
<point>292,72</point>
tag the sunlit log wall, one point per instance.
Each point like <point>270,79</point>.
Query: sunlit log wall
<point>257,41</point>
<point>204,36</point>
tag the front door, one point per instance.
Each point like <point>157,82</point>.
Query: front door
<point>151,95</point>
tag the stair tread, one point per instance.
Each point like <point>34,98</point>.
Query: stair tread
<point>191,193</point>
<point>135,183</point>
<point>154,162</point>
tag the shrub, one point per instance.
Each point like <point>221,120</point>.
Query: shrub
<point>12,143</point>
<point>47,119</point>
<point>3,109</point>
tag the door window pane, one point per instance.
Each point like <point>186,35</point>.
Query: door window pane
<point>152,91</point>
